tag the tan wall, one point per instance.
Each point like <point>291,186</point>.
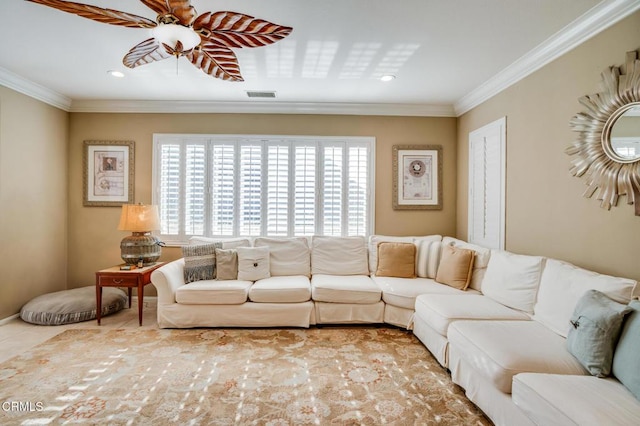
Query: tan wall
<point>33,199</point>
<point>94,242</point>
<point>546,213</point>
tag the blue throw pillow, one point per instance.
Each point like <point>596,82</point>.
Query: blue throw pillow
<point>595,328</point>
<point>626,359</point>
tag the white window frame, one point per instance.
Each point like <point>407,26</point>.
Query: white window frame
<point>319,141</point>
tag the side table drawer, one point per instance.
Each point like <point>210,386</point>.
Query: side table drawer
<point>116,281</point>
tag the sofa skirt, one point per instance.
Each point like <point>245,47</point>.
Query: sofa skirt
<point>400,317</point>
<point>349,313</point>
<point>249,314</point>
<point>437,344</point>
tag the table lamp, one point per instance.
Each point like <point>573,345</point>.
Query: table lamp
<point>140,246</point>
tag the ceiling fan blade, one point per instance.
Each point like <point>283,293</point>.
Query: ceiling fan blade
<point>233,29</point>
<point>181,9</point>
<point>217,61</point>
<point>106,16</point>
<point>144,53</point>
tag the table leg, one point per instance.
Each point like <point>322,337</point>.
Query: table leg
<point>98,302</point>
<point>140,297</point>
<point>129,290</point>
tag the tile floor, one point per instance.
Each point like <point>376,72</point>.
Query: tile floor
<point>17,336</point>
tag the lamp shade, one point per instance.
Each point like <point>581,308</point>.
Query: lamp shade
<point>139,218</point>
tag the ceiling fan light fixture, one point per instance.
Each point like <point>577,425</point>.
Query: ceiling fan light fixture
<point>114,73</point>
<point>170,34</point>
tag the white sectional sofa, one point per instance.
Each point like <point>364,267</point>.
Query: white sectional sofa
<point>503,338</point>
<point>507,347</point>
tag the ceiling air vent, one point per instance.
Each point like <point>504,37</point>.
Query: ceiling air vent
<point>256,94</point>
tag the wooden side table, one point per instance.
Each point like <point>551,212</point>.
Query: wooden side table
<point>134,278</point>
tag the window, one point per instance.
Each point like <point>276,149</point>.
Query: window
<point>279,186</point>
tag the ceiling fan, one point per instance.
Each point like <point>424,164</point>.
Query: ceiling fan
<point>205,40</point>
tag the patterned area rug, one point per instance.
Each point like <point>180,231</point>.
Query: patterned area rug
<point>340,375</point>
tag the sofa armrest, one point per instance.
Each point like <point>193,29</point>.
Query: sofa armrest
<point>167,280</point>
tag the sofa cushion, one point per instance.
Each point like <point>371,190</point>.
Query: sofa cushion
<point>562,284</point>
<point>396,260</point>
<point>480,261</point>
<point>200,261</point>
<point>559,399</point>
<point>440,310</point>
<point>344,289</point>
<point>214,292</point>
<point>284,289</point>
<point>498,350</point>
<point>226,264</point>
<point>287,256</point>
<point>595,328</point>
<point>402,292</point>
<point>227,243</point>
<point>626,361</point>
<point>339,256</point>
<point>513,279</point>
<point>253,263</point>
<point>455,268</point>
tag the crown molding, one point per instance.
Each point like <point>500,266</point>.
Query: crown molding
<point>594,21</point>
<point>34,90</point>
<point>261,107</point>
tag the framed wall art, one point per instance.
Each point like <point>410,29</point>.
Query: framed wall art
<point>417,177</point>
<point>108,173</point>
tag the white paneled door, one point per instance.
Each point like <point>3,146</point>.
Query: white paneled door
<point>487,184</point>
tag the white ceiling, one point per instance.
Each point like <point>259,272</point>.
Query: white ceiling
<point>447,55</point>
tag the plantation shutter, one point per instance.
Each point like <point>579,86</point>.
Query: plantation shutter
<point>357,195</point>
<point>169,175</point>
<point>277,189</point>
<point>195,188</point>
<point>223,188</point>
<point>332,190</point>
<point>250,186</point>
<point>304,199</point>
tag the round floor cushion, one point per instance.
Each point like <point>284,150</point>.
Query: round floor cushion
<point>69,306</point>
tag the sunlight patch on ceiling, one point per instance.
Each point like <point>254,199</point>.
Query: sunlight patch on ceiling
<point>318,58</point>
<point>359,59</point>
<point>280,59</point>
<point>394,59</point>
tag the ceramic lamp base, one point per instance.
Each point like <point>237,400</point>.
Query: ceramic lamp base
<point>140,245</point>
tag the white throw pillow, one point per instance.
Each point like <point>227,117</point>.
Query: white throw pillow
<point>513,279</point>
<point>288,256</point>
<point>563,284</point>
<point>339,256</point>
<point>428,255</point>
<point>480,263</point>
<point>253,263</point>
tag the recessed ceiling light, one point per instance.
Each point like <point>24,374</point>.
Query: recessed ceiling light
<point>113,73</point>
<point>387,77</point>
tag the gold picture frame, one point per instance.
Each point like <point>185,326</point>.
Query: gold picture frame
<point>417,177</point>
<point>108,173</point>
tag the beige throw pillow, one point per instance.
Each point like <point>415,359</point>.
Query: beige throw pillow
<point>227,264</point>
<point>456,266</point>
<point>396,260</point>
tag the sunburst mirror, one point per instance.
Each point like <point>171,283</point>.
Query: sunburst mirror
<point>607,150</point>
